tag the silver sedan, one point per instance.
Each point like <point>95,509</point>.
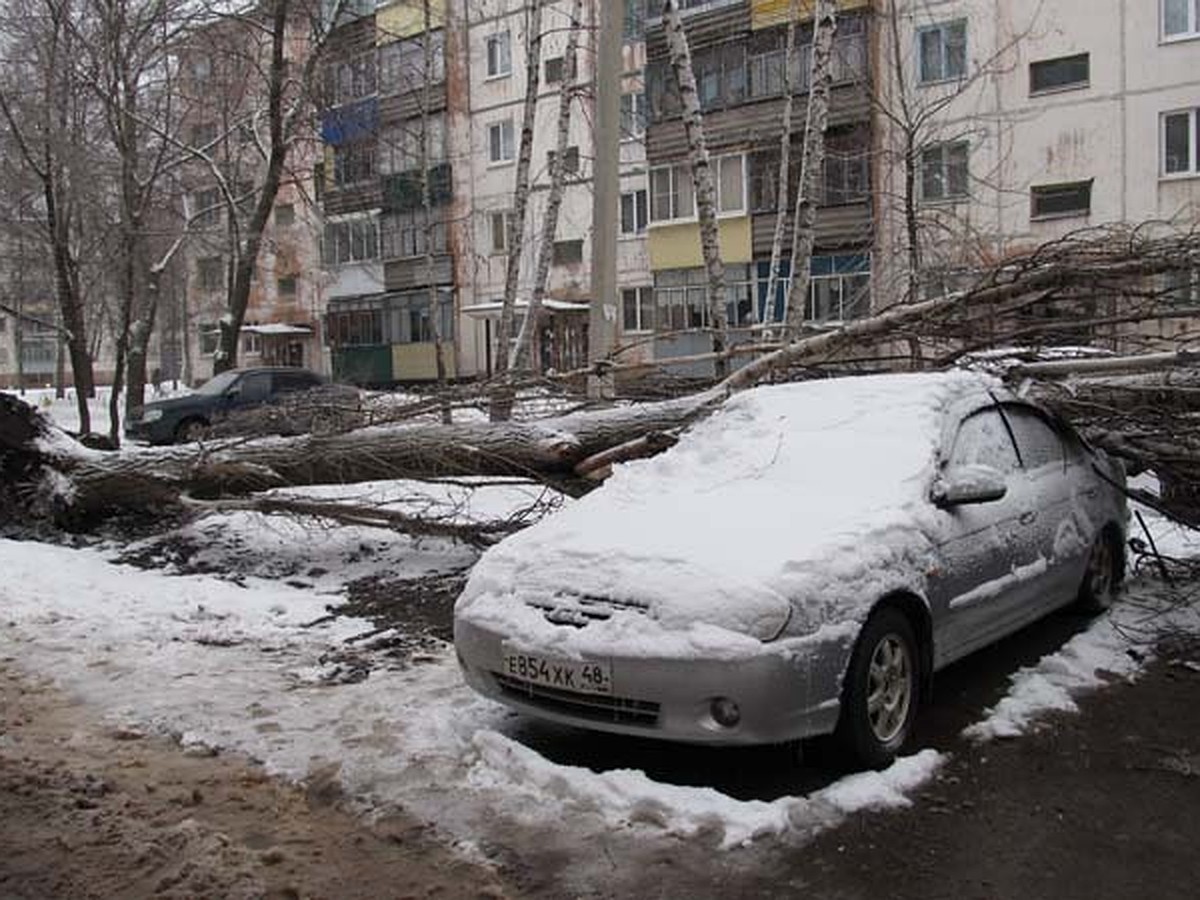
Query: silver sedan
<point>801,563</point>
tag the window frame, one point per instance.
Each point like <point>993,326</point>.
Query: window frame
<point>943,149</point>
<point>1083,84</point>
<point>717,164</point>
<point>643,306</point>
<point>560,255</point>
<point>502,124</point>
<point>1062,187</point>
<point>640,213</point>
<point>500,40</point>
<point>503,217</point>
<point>942,28</point>
<point>1191,31</point>
<point>1193,122</point>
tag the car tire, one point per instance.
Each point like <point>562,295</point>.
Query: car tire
<point>1102,578</point>
<point>880,691</point>
<point>190,430</point>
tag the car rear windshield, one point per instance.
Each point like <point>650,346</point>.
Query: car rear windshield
<point>218,385</point>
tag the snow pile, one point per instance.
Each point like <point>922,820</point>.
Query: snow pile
<point>627,797</point>
<point>814,490</point>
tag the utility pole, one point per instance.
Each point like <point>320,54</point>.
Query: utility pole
<point>606,186</point>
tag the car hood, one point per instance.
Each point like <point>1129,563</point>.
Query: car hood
<point>790,508</point>
<point>178,404</point>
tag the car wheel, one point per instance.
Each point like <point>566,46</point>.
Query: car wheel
<point>1102,579</point>
<point>880,691</point>
<point>189,430</point>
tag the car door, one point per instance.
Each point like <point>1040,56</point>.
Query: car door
<point>981,550</point>
<point>252,389</point>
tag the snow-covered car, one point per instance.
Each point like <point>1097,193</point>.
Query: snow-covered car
<point>800,563</point>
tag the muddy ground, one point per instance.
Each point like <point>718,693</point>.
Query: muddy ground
<point>1105,803</point>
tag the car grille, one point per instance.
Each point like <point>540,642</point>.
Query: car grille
<point>595,707</point>
<point>579,610</point>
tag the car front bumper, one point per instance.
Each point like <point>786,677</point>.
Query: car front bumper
<point>790,690</point>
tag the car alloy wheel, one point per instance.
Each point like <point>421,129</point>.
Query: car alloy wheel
<point>880,690</point>
<point>889,688</point>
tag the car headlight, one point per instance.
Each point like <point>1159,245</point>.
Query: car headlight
<point>152,415</point>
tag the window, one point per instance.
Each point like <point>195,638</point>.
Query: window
<point>353,163</point>
<point>1060,74</point>
<point>1179,143</point>
<point>554,70</point>
<point>942,51</point>
<point>1180,19</point>
<point>983,440</point>
<point>499,224</point>
<point>209,337</point>
<point>499,54</point>
<point>350,79</point>
<point>286,286</point>
<point>400,145</point>
<point>634,26</point>
<point>846,173</point>
<point>637,306</point>
<point>1037,443</point>
<point>672,192</point>
<point>350,240</point>
<point>840,288</point>
<point>944,171</point>
<point>634,212</point>
<point>633,115</point>
<point>206,211</point>
<point>681,298</point>
<point>1052,201</point>
<point>404,235</point>
<point>251,342</point>
<point>720,75</point>
<point>500,141</point>
<point>568,252</point>
<point>355,328</point>
<point>1181,287</point>
<point>285,215</point>
<point>570,160</point>
<point>402,63</point>
<point>210,273</point>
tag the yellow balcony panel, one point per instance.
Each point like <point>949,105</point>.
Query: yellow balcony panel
<point>678,246</point>
<point>418,362</point>
<point>765,13</point>
<point>404,18</point>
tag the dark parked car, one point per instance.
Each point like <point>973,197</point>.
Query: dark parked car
<point>186,418</point>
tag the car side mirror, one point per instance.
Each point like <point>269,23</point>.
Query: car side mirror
<point>966,485</point>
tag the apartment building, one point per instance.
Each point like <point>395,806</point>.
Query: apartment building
<point>223,107</point>
<point>390,250</point>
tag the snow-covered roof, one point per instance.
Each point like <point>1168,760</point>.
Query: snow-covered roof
<point>812,490</point>
<point>276,328</point>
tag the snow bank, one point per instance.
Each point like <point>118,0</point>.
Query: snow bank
<point>627,797</point>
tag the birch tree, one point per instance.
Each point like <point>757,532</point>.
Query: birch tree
<point>785,155</point>
<point>702,178</point>
<point>558,170</point>
<point>804,227</point>
<point>516,229</point>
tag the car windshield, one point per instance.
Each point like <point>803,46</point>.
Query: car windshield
<point>218,385</point>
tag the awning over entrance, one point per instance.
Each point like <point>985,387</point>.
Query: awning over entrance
<point>491,309</point>
<point>277,328</point>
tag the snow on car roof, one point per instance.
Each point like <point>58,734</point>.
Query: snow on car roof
<point>814,489</point>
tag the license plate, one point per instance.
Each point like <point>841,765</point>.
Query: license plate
<point>566,675</point>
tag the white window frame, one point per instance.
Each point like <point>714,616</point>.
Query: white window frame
<point>942,28</point>
<point>942,148</point>
<point>676,169</point>
<point>636,114</point>
<point>640,224</point>
<point>502,160</point>
<point>497,50</point>
<point>1193,169</point>
<point>368,240</point>
<point>499,224</point>
<point>1191,30</point>
<point>644,304</point>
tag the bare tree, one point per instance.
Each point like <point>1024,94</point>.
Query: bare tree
<point>558,171</point>
<point>702,178</point>
<point>42,98</point>
<point>804,228</point>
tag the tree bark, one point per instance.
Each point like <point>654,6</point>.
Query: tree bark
<point>813,163</point>
<point>702,180</point>
<point>782,193</point>
<point>558,169</point>
<point>435,305</point>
